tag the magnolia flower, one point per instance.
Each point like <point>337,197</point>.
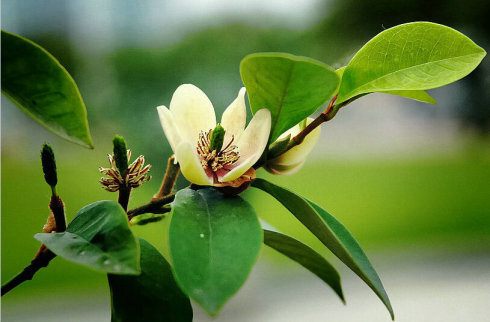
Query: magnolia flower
<point>210,153</point>
<point>291,161</point>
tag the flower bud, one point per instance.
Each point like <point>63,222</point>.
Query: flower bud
<point>292,160</point>
<point>49,165</point>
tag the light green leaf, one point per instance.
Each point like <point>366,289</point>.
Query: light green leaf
<point>98,237</point>
<point>36,82</point>
<point>214,242</point>
<point>306,257</point>
<point>291,87</point>
<point>331,233</point>
<point>412,56</point>
<point>417,95</point>
<point>151,296</point>
<point>421,96</point>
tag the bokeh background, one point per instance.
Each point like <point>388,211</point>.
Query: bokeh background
<point>411,181</point>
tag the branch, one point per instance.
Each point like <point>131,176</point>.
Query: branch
<point>153,206</point>
<point>42,259</point>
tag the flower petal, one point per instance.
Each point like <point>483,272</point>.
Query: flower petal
<point>235,117</point>
<point>190,164</point>
<point>251,144</point>
<point>284,169</point>
<point>192,112</point>
<point>169,127</point>
<point>300,152</point>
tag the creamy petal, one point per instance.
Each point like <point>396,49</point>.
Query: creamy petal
<point>190,164</point>
<point>235,117</point>
<point>192,111</point>
<point>300,152</point>
<point>284,169</point>
<point>169,127</point>
<point>251,143</point>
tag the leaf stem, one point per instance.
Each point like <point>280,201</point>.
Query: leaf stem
<point>168,183</point>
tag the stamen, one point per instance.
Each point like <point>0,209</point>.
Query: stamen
<point>216,160</point>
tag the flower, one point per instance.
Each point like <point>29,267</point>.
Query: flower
<point>135,175</point>
<point>292,160</point>
<point>210,154</point>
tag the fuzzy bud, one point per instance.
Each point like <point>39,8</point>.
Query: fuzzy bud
<point>49,165</point>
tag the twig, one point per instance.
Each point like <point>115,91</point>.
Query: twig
<point>153,206</point>
<point>41,260</point>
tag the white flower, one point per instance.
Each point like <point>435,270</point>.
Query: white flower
<point>291,161</point>
<point>188,125</point>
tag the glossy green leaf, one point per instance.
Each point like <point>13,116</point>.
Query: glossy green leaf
<point>36,82</point>
<point>306,257</point>
<point>331,233</point>
<point>214,242</point>
<point>421,96</point>
<point>98,237</point>
<point>291,87</point>
<point>152,296</point>
<point>417,95</point>
<point>412,56</point>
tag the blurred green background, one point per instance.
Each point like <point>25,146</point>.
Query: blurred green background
<point>410,181</point>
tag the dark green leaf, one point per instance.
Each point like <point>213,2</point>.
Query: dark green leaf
<point>98,237</point>
<point>214,242</point>
<point>331,233</point>
<point>151,296</point>
<point>412,56</point>
<point>291,87</point>
<point>36,82</point>
<point>305,256</point>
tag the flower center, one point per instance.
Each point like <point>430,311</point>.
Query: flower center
<point>213,156</point>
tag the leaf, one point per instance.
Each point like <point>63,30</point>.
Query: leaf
<point>306,257</point>
<point>417,95</point>
<point>36,82</point>
<point>421,96</point>
<point>98,237</point>
<point>412,56</point>
<point>331,233</point>
<point>291,87</point>
<point>151,296</point>
<point>214,242</point>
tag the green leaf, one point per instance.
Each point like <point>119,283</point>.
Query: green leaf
<point>214,242</point>
<point>98,237</point>
<point>36,82</point>
<point>306,257</point>
<point>421,96</point>
<point>417,95</point>
<point>291,87</point>
<point>151,296</point>
<point>412,56</point>
<point>331,233</point>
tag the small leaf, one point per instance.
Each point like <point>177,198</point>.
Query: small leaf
<point>151,296</point>
<point>306,257</point>
<point>214,242</point>
<point>412,56</point>
<point>331,233</point>
<point>291,87</point>
<point>417,95</point>
<point>98,237</point>
<point>36,82</point>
